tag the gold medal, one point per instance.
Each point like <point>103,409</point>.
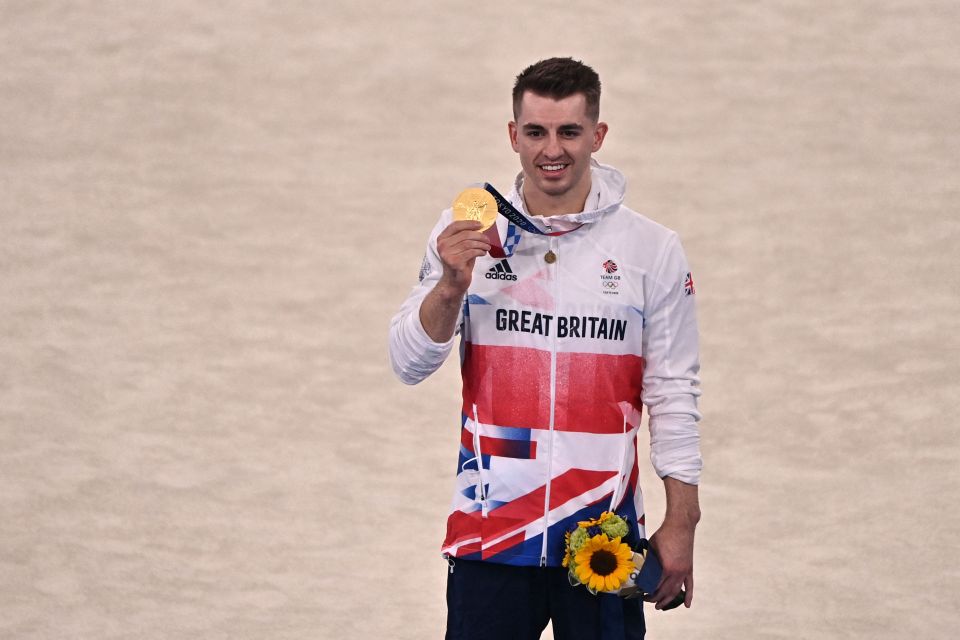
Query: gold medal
<point>476,204</point>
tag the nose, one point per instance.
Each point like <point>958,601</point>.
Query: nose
<point>553,149</point>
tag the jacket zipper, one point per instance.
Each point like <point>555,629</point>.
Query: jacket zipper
<point>553,400</point>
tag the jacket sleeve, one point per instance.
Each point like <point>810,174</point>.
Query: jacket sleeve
<point>671,384</point>
<point>413,354</point>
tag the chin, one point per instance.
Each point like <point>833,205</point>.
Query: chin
<point>554,189</point>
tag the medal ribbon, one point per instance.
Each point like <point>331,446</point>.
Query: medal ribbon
<point>516,219</point>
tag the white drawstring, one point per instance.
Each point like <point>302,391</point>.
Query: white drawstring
<point>481,489</point>
<point>615,498</point>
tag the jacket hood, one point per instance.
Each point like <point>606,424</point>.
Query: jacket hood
<point>607,189</point>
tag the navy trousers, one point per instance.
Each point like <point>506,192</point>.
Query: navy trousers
<point>488,601</point>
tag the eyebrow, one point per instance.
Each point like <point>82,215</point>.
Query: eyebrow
<point>563,127</point>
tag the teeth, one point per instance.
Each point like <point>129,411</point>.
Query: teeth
<point>553,167</point>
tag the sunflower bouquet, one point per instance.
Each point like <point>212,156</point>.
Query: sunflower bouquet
<point>596,557</point>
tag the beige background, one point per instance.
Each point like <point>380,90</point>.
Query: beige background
<point>210,211</point>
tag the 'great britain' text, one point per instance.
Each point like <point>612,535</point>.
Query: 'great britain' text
<point>563,326</point>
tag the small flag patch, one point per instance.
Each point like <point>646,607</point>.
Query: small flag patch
<point>688,285</point>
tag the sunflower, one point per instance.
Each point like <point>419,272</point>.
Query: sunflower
<point>604,564</point>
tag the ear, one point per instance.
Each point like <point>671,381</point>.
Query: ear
<point>598,135</point>
<point>512,132</point>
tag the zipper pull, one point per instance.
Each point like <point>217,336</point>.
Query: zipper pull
<point>450,562</point>
<point>543,562</point>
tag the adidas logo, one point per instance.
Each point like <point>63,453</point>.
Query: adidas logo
<point>500,271</point>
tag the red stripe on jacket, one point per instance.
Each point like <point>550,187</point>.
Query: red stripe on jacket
<point>511,388</point>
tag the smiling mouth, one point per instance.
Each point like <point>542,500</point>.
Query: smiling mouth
<point>552,168</point>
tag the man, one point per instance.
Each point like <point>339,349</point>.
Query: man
<point>570,317</point>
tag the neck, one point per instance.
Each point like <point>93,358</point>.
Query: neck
<point>541,204</point>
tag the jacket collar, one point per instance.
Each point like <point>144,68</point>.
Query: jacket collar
<point>607,189</point>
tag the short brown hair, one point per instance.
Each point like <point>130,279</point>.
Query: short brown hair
<point>559,78</point>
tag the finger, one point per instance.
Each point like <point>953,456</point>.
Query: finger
<point>457,254</point>
<point>468,243</point>
<point>653,597</point>
<point>666,592</point>
<point>458,226</point>
<point>471,254</point>
<point>676,602</point>
<point>464,260</point>
<point>475,239</point>
<point>463,253</point>
<point>462,236</point>
<point>668,599</point>
<point>666,579</point>
<point>672,593</point>
<point>673,601</point>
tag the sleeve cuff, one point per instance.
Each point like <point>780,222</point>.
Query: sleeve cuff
<point>675,449</point>
<point>424,342</point>
<point>413,354</point>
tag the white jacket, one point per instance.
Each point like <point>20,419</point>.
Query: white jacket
<point>557,360</point>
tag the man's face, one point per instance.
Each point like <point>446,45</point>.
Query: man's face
<point>555,139</point>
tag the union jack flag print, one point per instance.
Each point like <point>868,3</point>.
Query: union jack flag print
<point>688,285</point>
